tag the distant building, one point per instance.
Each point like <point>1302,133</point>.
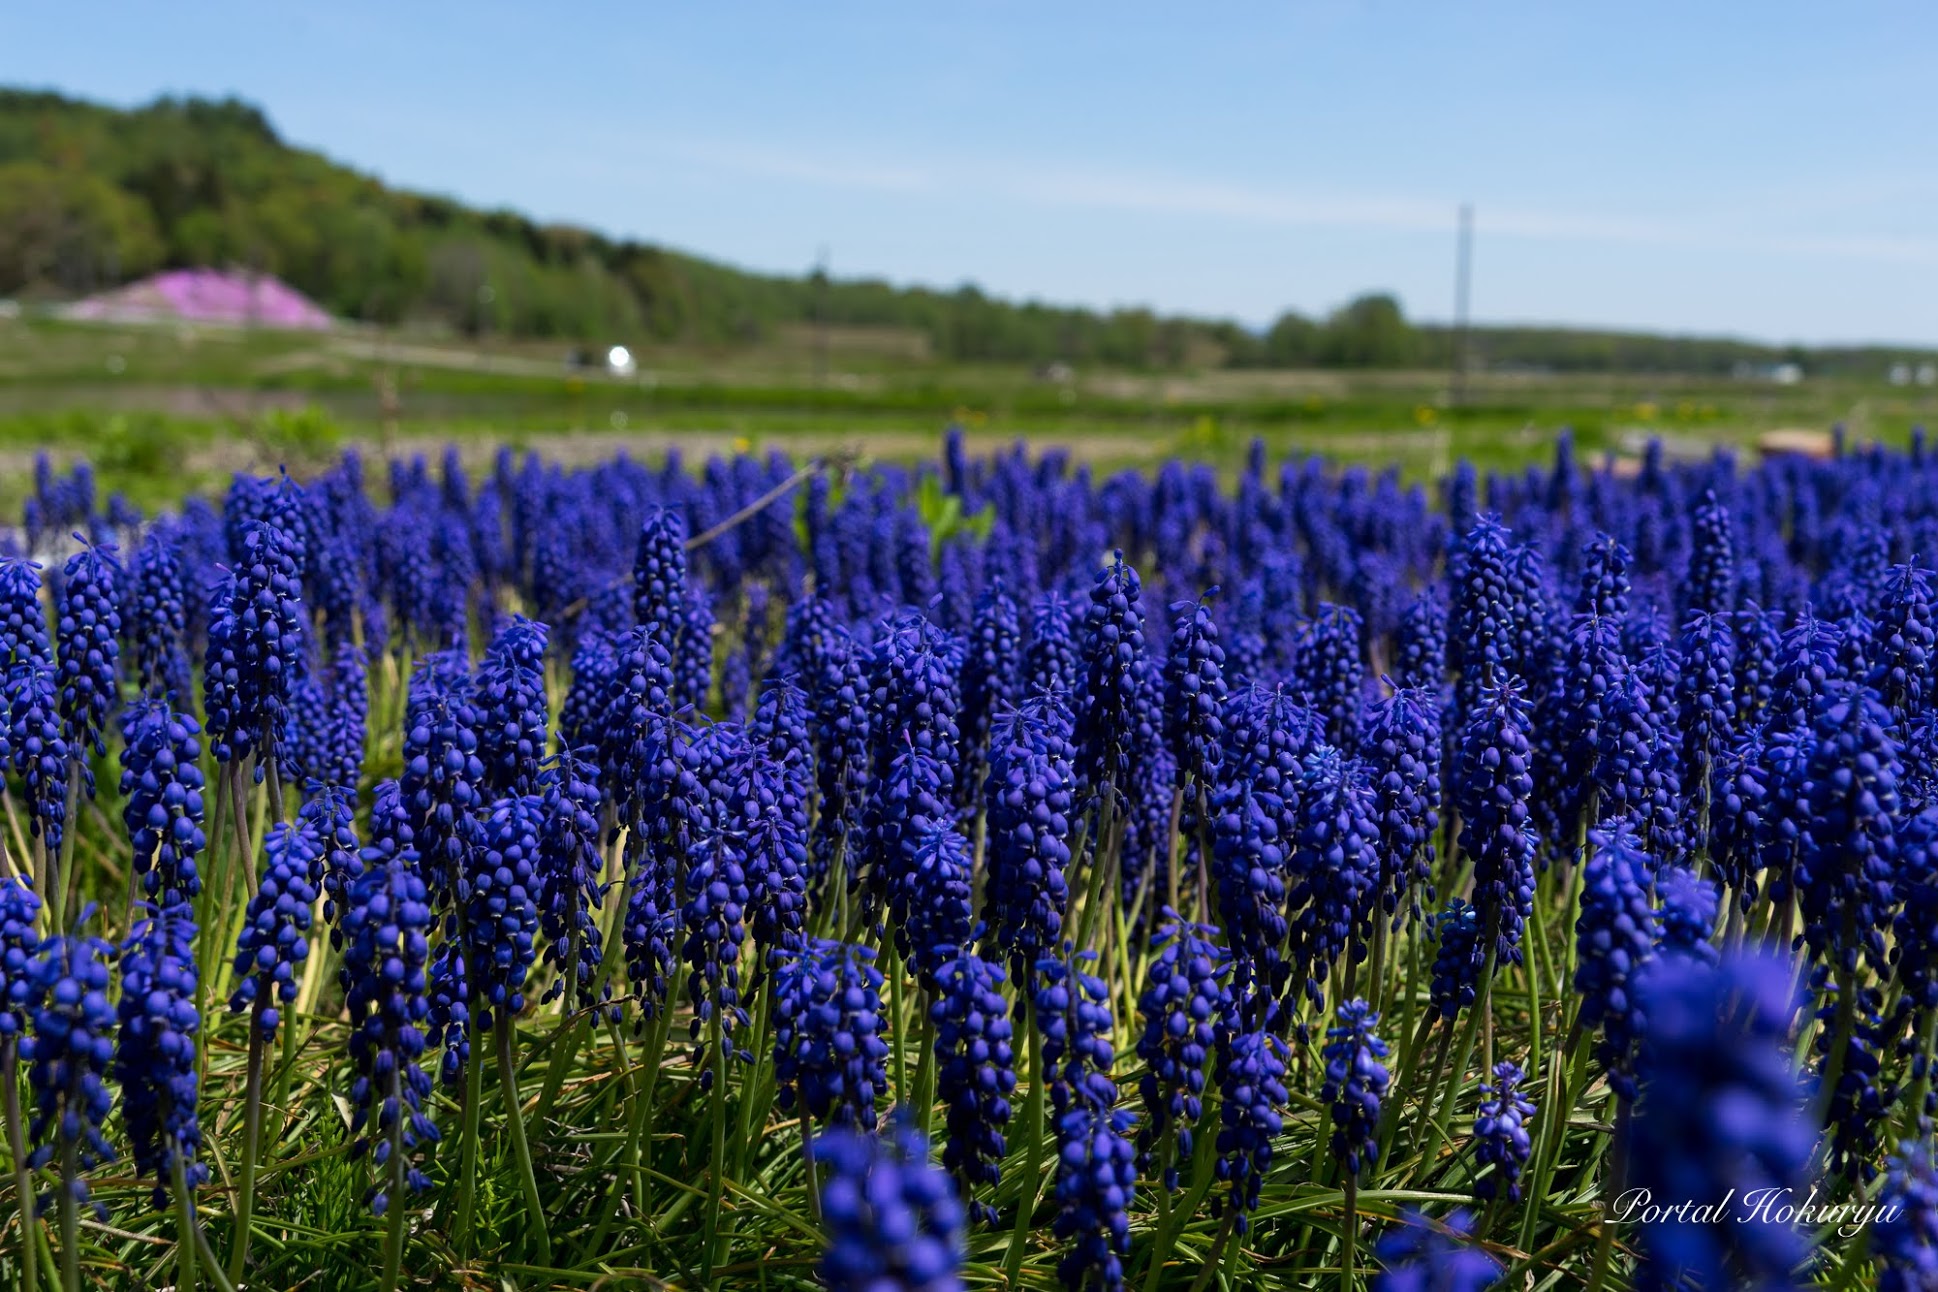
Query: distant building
<point>205,296</point>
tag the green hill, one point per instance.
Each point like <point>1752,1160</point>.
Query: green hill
<point>92,195</point>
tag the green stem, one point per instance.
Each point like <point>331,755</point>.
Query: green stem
<point>1351,1233</point>
<point>70,1215</point>
<point>716,1179</point>
<point>184,1227</point>
<point>468,1136</point>
<point>23,1176</point>
<point>520,1147</point>
<point>252,1143</point>
<point>1027,1185</point>
<point>394,1204</point>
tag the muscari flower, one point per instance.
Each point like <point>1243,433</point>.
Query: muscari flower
<point>69,1048</point>
<point>1194,694</point>
<point>1848,849</point>
<point>1419,1255</point>
<point>829,1054</point>
<point>255,631</point>
<point>1492,795</point>
<point>1186,992</point>
<point>1029,799</point>
<point>386,928</point>
<point>1688,914</point>
<point>975,1071</point>
<point>1107,707</point>
<point>23,621</point>
<point>1051,665</point>
<point>1331,675</point>
<point>508,695</point>
<point>1252,1097</point>
<point>38,751</point>
<point>87,640</point>
<point>500,922</point>
<point>155,1057</point>
<point>1720,1114</point>
<point>19,941</point>
<point>1501,1137</point>
<point>893,1219</point>
<point>570,890</point>
<point>274,941</point>
<point>161,788</point>
<point>1905,1237</point>
<point>1336,860</point>
<point>1457,958</point>
<point>1614,938</point>
<point>1402,750</point>
<point>1355,1084</point>
<point>1096,1185</point>
<point>156,618</point>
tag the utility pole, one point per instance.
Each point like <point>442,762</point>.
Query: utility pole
<point>1463,279</point>
<point>821,318</point>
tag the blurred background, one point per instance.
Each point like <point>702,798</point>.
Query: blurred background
<point>231,235</point>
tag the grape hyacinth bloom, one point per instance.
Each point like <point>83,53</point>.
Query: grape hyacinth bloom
<point>1355,1084</point>
<point>1107,707</point>
<point>1720,1114</point>
<point>1073,1015</point>
<point>88,642</point>
<point>255,630</point>
<point>1195,694</point>
<point>893,1219</point>
<point>69,1049</point>
<point>1185,996</point>
<point>1402,750</point>
<point>1251,1084</point>
<point>1904,642</point>
<point>1688,914</point>
<point>39,752</point>
<point>155,1056</point>
<point>161,785</point>
<point>19,913</point>
<point>330,812</point>
<point>386,928</point>
<point>274,941</point>
<point>713,911</point>
<point>932,901</point>
<point>1418,1255</point>
<point>508,696</point>
<point>1905,1237</point>
<point>156,618</point>
<point>570,891</point>
<point>990,673</point>
<point>23,621</point>
<point>1501,1137</point>
<point>1849,844</point>
<point>1493,792</point>
<point>1457,958</point>
<point>500,922</point>
<point>975,1072</point>
<point>659,572</point>
<point>829,1054</point>
<point>1335,858</point>
<point>1614,938</point>
<point>1096,1184</point>
<point>1030,797</point>
<point>1052,665</point>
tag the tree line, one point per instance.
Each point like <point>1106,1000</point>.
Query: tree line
<point>92,196</point>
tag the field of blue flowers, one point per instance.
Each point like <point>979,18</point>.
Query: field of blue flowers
<point>775,874</point>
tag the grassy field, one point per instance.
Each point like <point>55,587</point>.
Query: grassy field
<point>154,407</point>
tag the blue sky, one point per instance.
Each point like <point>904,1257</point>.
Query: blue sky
<point>1766,170</point>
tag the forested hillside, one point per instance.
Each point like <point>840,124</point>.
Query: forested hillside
<point>91,196</point>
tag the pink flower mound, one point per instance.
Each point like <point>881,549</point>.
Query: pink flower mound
<point>206,296</point>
